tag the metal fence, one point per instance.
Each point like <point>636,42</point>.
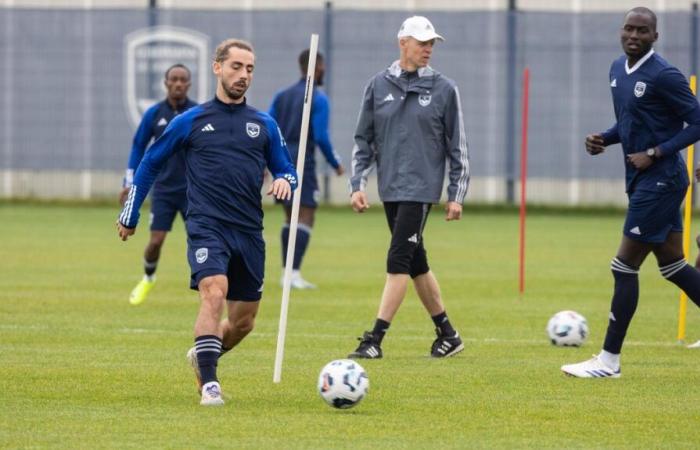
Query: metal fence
<point>75,80</point>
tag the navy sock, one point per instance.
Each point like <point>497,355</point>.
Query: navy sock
<point>149,267</point>
<point>685,277</point>
<point>624,304</point>
<point>443,324</point>
<point>303,238</point>
<point>380,329</point>
<point>284,236</point>
<point>208,348</point>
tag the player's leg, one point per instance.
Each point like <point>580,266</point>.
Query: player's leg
<point>246,273</point>
<point>405,228</point>
<point>207,341</point>
<point>625,271</point>
<point>208,254</point>
<point>307,212</point>
<point>674,267</point>
<point>163,212</point>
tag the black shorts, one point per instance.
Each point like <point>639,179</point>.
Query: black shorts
<point>406,252</point>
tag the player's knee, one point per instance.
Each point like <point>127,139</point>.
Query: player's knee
<point>244,324</point>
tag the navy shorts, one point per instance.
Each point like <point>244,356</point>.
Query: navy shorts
<point>651,215</point>
<point>216,249</point>
<point>164,208</point>
<point>309,191</point>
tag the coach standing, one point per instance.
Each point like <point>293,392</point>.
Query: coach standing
<point>410,125</point>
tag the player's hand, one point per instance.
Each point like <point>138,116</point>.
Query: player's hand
<point>640,160</point>
<point>123,195</point>
<point>124,232</point>
<point>454,211</point>
<point>280,189</point>
<point>594,144</point>
<point>359,202</point>
<point>340,170</point>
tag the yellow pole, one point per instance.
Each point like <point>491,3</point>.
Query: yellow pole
<point>683,307</point>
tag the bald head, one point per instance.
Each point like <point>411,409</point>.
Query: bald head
<point>641,10</point>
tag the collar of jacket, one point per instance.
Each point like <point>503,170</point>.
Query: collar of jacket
<point>425,80</point>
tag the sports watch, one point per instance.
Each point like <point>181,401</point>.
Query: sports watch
<point>651,153</point>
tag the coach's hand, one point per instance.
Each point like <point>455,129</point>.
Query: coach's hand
<point>454,211</point>
<point>123,195</point>
<point>280,189</point>
<point>124,232</point>
<point>594,144</point>
<point>640,160</point>
<point>340,170</point>
<point>359,202</point>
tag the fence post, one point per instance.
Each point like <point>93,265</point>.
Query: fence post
<point>511,59</point>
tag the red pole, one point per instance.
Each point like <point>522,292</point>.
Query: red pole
<point>523,176</point>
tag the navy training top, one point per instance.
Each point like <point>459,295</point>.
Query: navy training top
<point>226,149</point>
<point>172,178</point>
<point>287,108</point>
<point>652,102</point>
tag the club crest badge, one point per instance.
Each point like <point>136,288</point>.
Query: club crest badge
<point>639,88</point>
<point>424,99</point>
<point>253,129</point>
<point>149,52</point>
<point>201,255</point>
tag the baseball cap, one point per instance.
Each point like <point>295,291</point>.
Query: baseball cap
<point>419,28</point>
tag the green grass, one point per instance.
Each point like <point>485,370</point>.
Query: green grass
<point>81,368</point>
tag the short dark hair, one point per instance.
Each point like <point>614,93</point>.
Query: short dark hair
<point>178,66</point>
<point>222,49</point>
<point>645,11</point>
<point>304,59</point>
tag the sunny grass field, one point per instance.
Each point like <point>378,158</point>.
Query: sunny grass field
<point>81,368</point>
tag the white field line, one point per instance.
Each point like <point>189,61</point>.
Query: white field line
<point>399,337</point>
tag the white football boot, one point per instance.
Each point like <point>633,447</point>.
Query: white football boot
<point>593,368</point>
<point>211,394</point>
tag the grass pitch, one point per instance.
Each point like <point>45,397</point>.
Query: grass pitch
<point>81,368</point>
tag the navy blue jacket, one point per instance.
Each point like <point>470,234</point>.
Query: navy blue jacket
<point>652,102</point>
<point>171,179</point>
<point>226,148</point>
<point>287,108</point>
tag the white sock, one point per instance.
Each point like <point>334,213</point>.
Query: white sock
<point>611,360</point>
<point>296,273</point>
<point>150,278</point>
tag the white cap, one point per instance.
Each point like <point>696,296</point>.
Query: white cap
<point>419,28</point>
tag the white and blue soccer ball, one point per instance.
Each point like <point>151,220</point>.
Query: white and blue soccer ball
<point>343,383</point>
<point>567,329</point>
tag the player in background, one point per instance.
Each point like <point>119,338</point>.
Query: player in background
<point>227,146</point>
<point>652,101</point>
<point>286,109</point>
<point>170,188</point>
<point>411,125</point>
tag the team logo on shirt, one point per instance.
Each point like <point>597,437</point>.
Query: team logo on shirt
<point>424,99</point>
<point>162,122</point>
<point>201,254</point>
<point>253,129</point>
<point>639,88</point>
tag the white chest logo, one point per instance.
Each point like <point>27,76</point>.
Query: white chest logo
<point>424,99</point>
<point>162,122</point>
<point>253,129</point>
<point>639,88</point>
<point>201,254</point>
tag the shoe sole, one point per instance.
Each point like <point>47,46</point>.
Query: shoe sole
<point>458,349</point>
<point>571,375</point>
<point>192,358</point>
<point>360,356</point>
<point>219,402</point>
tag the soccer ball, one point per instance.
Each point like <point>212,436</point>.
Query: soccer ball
<point>343,383</point>
<point>567,329</point>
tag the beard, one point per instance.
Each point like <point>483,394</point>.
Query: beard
<point>234,95</point>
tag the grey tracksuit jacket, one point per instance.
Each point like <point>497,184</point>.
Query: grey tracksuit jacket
<point>410,124</point>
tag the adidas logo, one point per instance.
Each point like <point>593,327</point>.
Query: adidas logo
<point>208,127</point>
<point>612,317</point>
<point>413,238</point>
<point>373,352</point>
<point>389,98</point>
<point>636,231</point>
<point>614,83</point>
<point>162,122</point>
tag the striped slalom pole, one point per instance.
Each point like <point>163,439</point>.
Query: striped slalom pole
<point>683,306</point>
<point>523,177</point>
